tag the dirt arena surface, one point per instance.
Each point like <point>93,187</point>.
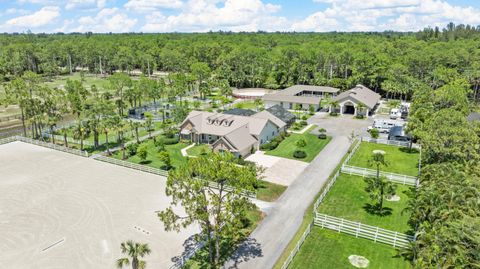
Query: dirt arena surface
<point>59,210</point>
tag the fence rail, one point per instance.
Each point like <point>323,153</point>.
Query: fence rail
<point>44,144</point>
<point>357,229</point>
<point>365,172</point>
<point>325,191</point>
<point>389,142</point>
<point>297,246</point>
<point>161,172</point>
<point>131,165</point>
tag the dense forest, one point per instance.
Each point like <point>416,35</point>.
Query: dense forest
<point>393,63</point>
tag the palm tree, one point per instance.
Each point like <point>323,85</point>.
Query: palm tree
<point>361,109</point>
<point>134,251</point>
<point>378,187</point>
<point>135,125</point>
<point>333,105</point>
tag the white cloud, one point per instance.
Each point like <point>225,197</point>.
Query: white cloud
<point>380,15</point>
<point>106,20</point>
<point>85,4</point>
<point>152,5</point>
<point>206,15</point>
<point>44,16</point>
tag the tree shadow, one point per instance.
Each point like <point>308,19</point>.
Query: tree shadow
<point>408,150</point>
<point>145,162</point>
<point>249,249</point>
<point>375,210</point>
<point>190,246</point>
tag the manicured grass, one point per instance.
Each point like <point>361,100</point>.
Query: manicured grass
<point>288,146</point>
<point>399,159</point>
<point>197,150</point>
<point>90,80</point>
<point>268,191</point>
<point>348,199</point>
<point>328,249</point>
<point>247,105</point>
<point>152,157</point>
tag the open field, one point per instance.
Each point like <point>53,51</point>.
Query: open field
<point>399,159</point>
<point>64,211</point>
<point>328,249</point>
<point>348,199</point>
<point>286,148</point>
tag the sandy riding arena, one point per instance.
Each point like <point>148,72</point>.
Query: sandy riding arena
<point>64,211</point>
<point>250,93</point>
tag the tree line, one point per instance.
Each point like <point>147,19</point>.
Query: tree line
<point>392,63</point>
<point>446,207</point>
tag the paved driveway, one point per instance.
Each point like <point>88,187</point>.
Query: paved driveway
<point>273,234</point>
<point>278,170</point>
<point>342,125</point>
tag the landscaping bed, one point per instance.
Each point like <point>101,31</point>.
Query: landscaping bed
<point>348,199</point>
<point>328,249</point>
<point>400,159</point>
<point>289,145</point>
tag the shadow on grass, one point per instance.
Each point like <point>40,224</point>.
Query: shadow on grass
<point>145,162</point>
<point>409,150</point>
<point>375,210</point>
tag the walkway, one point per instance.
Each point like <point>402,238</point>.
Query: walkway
<point>285,217</point>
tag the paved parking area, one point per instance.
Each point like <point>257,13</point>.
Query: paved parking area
<point>278,170</point>
<point>342,125</point>
<point>59,210</point>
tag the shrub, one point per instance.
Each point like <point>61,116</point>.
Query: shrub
<point>304,117</point>
<point>374,133</point>
<point>322,136</point>
<point>333,114</point>
<point>142,152</point>
<point>303,123</point>
<point>299,154</point>
<point>160,144</point>
<point>322,130</point>
<point>132,149</point>
<point>265,146</point>
<point>171,141</point>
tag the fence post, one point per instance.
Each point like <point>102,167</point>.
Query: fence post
<point>358,229</point>
<point>376,234</point>
<point>395,239</point>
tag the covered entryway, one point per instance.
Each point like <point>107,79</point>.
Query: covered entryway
<point>348,108</point>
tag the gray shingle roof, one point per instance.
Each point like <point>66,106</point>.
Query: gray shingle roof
<point>240,112</point>
<point>281,113</point>
<point>360,94</point>
<point>290,94</point>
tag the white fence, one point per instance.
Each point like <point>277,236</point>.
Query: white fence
<point>131,165</point>
<point>357,229</point>
<point>325,191</point>
<point>365,172</point>
<point>160,172</point>
<point>389,142</point>
<point>44,144</point>
<point>297,246</point>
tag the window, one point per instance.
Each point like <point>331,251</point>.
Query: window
<point>273,133</point>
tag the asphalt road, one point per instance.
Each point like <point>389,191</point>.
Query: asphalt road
<point>272,236</point>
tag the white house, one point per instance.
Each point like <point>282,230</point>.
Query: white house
<point>303,95</point>
<point>349,101</point>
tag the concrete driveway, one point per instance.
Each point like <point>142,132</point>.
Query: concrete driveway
<point>278,170</point>
<point>343,125</point>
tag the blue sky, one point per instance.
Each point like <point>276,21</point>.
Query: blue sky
<point>232,15</point>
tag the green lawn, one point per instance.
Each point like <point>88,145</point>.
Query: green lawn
<point>348,199</point>
<point>399,159</point>
<point>90,80</point>
<point>197,150</point>
<point>247,105</point>
<point>288,146</point>
<point>152,157</point>
<point>328,249</point>
<point>268,191</point>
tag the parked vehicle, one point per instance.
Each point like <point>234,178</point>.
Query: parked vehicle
<point>383,126</point>
<point>395,113</point>
<point>397,133</point>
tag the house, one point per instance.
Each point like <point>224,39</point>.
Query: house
<point>283,114</point>
<point>350,100</point>
<point>303,95</point>
<point>233,133</point>
<point>473,117</point>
